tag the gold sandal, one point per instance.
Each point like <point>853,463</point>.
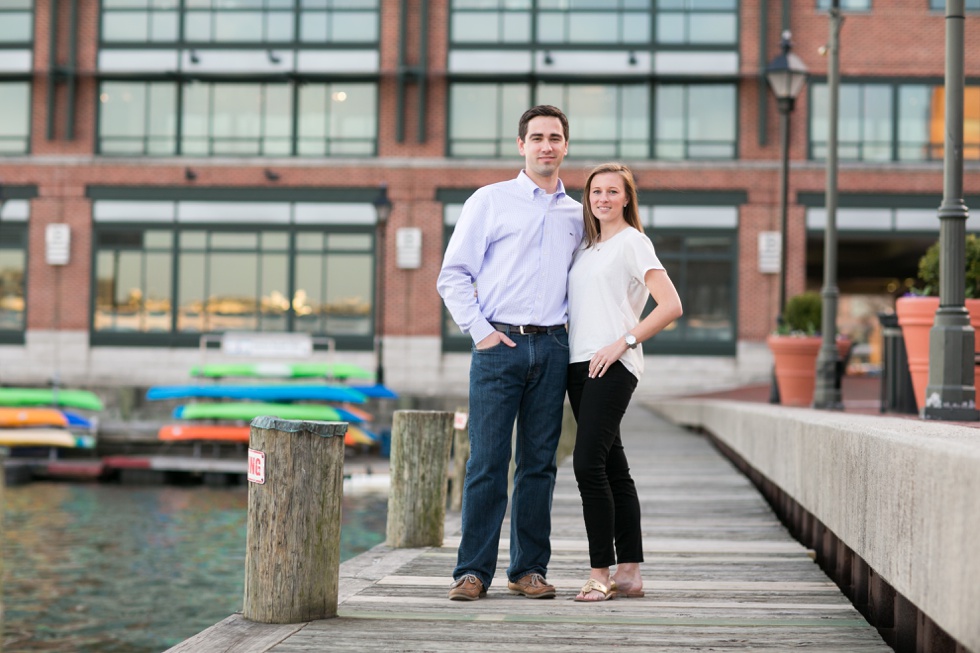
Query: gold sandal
<point>595,586</point>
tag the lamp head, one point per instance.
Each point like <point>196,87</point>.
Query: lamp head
<point>382,205</point>
<point>786,73</point>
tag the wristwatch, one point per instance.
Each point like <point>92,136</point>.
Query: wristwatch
<point>630,340</point>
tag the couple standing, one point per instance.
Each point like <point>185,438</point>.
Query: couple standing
<point>521,243</point>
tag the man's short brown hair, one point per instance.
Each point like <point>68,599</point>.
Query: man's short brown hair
<point>541,110</point>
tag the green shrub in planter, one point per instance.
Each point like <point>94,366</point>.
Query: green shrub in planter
<point>803,314</point>
<point>929,269</point>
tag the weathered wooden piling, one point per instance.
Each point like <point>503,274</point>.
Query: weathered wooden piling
<point>292,559</point>
<point>420,444</point>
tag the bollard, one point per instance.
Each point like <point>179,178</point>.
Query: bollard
<point>420,443</point>
<point>461,455</point>
<point>292,556</point>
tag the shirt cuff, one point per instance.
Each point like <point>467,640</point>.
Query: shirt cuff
<point>480,331</point>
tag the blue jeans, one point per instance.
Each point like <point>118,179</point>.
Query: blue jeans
<point>526,382</point>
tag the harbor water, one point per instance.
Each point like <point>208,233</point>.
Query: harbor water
<point>100,568</point>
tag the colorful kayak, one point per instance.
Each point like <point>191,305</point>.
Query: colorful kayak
<point>239,434</point>
<point>50,397</point>
<point>43,437</point>
<point>216,432</point>
<point>77,421</point>
<point>375,391</point>
<point>269,393</point>
<point>250,410</point>
<point>18,417</point>
<point>283,370</point>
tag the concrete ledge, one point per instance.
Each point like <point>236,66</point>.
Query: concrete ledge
<point>903,494</point>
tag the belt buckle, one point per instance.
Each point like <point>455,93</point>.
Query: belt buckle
<point>521,330</point>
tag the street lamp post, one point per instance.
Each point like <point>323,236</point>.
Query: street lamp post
<point>382,207</point>
<point>827,392</point>
<point>786,75</point>
<point>950,394</point>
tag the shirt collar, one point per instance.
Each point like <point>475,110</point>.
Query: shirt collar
<point>528,185</point>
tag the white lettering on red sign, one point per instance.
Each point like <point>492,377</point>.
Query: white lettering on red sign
<point>459,421</point>
<point>256,466</point>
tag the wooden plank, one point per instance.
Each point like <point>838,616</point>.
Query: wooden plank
<point>237,634</point>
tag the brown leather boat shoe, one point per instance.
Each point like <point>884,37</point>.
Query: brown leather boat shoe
<point>467,588</point>
<point>533,586</point>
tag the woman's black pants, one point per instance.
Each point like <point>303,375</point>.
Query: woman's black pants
<point>609,500</point>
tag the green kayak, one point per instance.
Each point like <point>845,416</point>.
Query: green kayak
<point>50,397</point>
<point>283,370</point>
<point>248,410</point>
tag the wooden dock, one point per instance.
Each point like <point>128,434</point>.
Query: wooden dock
<point>721,573</point>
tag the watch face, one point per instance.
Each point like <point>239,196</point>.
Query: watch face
<point>630,341</point>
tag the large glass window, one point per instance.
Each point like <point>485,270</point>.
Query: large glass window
<point>490,21</point>
<point>338,21</point>
<point>703,269</point>
<point>483,118</point>
<point>624,23</point>
<point>892,122</point>
<point>140,21</point>
<point>594,21</point>
<point>605,120</point>
<point>695,121</point>
<point>16,21</point>
<point>138,117</point>
<point>192,280</point>
<point>864,129</point>
<point>336,119</point>
<point>133,281</point>
<point>13,265</point>
<point>243,119</point>
<point>15,117</point>
<point>940,5</point>
<point>239,21</point>
<point>697,22</point>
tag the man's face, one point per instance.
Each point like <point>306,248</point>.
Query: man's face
<point>544,146</point>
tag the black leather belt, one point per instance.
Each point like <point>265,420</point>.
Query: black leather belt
<point>526,329</point>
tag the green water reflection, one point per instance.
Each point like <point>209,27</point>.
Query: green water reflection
<point>116,569</point>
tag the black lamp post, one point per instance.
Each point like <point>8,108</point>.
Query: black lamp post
<point>786,75</point>
<point>382,207</point>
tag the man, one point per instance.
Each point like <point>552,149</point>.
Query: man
<point>514,241</point>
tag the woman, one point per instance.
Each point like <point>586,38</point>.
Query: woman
<point>612,274</point>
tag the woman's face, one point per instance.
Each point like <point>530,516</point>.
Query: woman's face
<point>607,197</point>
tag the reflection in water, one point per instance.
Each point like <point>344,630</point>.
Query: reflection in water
<point>115,569</point>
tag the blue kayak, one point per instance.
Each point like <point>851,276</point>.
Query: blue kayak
<point>375,391</point>
<point>76,420</point>
<point>273,393</point>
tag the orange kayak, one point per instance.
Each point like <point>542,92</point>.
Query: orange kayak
<point>230,433</point>
<point>16,417</point>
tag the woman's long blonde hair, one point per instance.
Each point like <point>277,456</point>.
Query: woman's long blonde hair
<point>631,211</point>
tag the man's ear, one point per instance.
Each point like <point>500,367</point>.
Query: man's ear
<point>520,145</point>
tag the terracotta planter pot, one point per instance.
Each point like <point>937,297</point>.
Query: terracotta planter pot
<point>796,367</point>
<point>916,316</point>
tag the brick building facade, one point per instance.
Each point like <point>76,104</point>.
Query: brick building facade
<point>216,165</point>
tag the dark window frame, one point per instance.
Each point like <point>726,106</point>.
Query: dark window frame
<point>295,138</point>
<point>533,94</point>
<point>181,10</point>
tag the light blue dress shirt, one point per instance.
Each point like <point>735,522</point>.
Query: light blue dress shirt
<point>515,243</point>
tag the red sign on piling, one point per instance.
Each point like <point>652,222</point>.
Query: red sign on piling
<point>256,466</point>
